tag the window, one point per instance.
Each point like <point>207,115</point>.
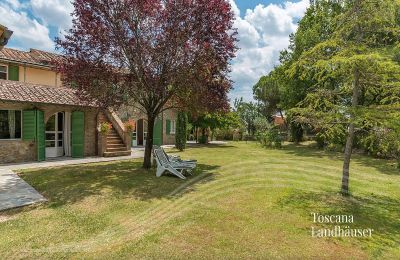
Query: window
<point>3,72</point>
<point>173,127</point>
<point>10,124</point>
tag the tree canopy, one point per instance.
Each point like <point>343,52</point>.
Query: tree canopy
<point>340,74</point>
<point>152,54</point>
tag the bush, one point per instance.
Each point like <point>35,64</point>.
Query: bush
<point>296,132</point>
<point>203,139</point>
<point>181,131</point>
<point>382,143</point>
<point>270,137</point>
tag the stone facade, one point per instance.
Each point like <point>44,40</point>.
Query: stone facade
<point>17,150</point>
<point>14,151</point>
<point>126,113</point>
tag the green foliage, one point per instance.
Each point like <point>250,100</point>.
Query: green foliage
<point>217,122</point>
<point>181,131</point>
<point>267,92</point>
<point>382,143</point>
<point>247,112</point>
<point>270,138</point>
<point>268,134</point>
<point>363,50</point>
<point>104,128</point>
<point>203,139</point>
<point>296,132</point>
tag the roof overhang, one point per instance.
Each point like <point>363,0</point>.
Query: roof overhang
<point>15,91</point>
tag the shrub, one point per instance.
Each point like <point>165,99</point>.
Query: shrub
<point>104,128</point>
<point>296,132</point>
<point>181,131</point>
<point>270,137</point>
<point>203,139</point>
<point>383,143</point>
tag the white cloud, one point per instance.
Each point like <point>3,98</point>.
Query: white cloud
<point>55,13</point>
<point>263,33</point>
<point>298,9</point>
<point>28,32</point>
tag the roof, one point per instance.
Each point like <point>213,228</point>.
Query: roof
<point>33,56</point>
<point>27,92</point>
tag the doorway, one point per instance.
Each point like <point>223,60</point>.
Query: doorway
<point>55,136</point>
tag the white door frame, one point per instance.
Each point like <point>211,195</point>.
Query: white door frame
<point>134,137</point>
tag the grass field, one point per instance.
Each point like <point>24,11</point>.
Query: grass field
<point>242,202</point>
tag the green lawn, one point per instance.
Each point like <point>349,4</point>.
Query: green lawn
<point>243,202</point>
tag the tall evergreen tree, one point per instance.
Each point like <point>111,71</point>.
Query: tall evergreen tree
<point>181,131</point>
<point>355,73</point>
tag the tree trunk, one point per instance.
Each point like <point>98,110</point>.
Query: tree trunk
<point>149,142</point>
<point>350,137</point>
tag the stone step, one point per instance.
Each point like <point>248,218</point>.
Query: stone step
<point>116,149</point>
<point>115,145</point>
<point>115,141</point>
<point>117,153</point>
<point>113,138</point>
<point>112,133</point>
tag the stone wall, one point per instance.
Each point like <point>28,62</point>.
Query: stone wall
<point>21,151</point>
<point>168,115</point>
<point>14,151</point>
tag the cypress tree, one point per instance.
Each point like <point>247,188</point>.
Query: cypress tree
<point>181,130</point>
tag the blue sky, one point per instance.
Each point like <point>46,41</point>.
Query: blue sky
<point>263,25</point>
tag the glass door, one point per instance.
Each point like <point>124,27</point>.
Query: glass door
<point>55,136</point>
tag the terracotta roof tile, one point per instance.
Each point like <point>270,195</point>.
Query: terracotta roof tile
<point>33,56</point>
<point>26,92</point>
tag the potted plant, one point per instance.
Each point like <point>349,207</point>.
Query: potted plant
<point>104,128</point>
<point>130,125</point>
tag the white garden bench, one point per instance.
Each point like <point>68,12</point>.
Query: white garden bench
<point>175,167</point>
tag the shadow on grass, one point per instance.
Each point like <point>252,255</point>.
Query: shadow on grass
<point>222,146</point>
<point>388,167</point>
<point>380,213</point>
<point>68,185</point>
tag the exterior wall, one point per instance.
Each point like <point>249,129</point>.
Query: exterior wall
<point>24,151</point>
<point>168,115</point>
<point>126,113</point>
<point>39,76</point>
<point>13,151</point>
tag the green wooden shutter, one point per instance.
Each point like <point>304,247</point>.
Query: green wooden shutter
<point>13,72</point>
<point>29,125</point>
<point>168,126</point>
<point>40,136</point>
<point>157,132</point>
<point>78,134</point>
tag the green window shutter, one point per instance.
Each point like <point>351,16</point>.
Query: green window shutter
<point>157,132</point>
<point>168,126</point>
<point>78,134</point>
<point>13,72</point>
<point>29,125</point>
<point>40,136</point>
